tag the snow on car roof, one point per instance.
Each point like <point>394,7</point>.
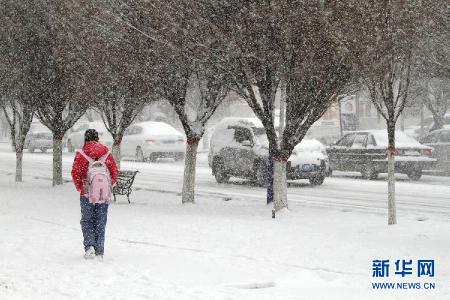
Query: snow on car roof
<point>158,127</point>
<point>235,121</point>
<point>309,145</point>
<point>401,138</point>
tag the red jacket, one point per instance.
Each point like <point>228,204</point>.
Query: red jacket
<point>81,165</point>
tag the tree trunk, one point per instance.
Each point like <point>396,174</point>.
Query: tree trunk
<point>189,171</point>
<point>279,184</point>
<point>116,153</point>
<point>270,178</point>
<point>57,161</point>
<point>391,151</point>
<point>19,163</point>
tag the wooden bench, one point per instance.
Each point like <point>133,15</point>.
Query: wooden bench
<point>124,183</point>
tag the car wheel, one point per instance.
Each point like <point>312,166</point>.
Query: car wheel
<point>69,146</point>
<point>261,174</point>
<point>139,154</point>
<point>369,172</point>
<point>415,174</point>
<point>219,172</point>
<point>317,179</point>
<point>43,150</point>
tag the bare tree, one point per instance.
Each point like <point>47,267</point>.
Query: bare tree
<point>276,43</point>
<point>391,32</point>
<point>176,40</point>
<point>66,72</point>
<point>431,84</point>
<point>20,71</point>
<point>121,89</point>
<point>434,93</point>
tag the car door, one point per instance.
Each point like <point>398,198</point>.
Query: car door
<point>337,152</point>
<point>244,150</point>
<point>345,157</point>
<point>228,152</point>
<point>372,151</point>
<point>432,140</point>
<point>357,152</point>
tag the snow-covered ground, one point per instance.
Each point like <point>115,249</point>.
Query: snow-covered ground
<point>157,248</point>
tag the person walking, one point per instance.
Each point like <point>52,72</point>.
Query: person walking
<point>94,172</point>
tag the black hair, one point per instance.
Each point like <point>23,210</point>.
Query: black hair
<point>91,135</point>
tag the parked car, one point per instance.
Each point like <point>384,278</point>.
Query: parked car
<point>239,147</point>
<point>365,152</point>
<point>42,140</point>
<point>75,140</point>
<point>309,151</point>
<point>153,140</point>
<point>440,141</point>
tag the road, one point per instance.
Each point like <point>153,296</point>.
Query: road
<point>429,197</point>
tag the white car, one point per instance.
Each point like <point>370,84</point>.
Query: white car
<point>152,140</point>
<point>42,140</point>
<point>38,137</point>
<point>75,140</point>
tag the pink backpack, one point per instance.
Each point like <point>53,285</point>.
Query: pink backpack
<point>98,185</point>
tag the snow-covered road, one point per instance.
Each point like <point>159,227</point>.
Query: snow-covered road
<point>344,191</point>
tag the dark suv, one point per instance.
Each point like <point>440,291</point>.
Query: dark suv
<point>239,148</point>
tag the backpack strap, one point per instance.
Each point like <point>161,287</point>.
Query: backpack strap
<point>89,159</point>
<point>104,157</point>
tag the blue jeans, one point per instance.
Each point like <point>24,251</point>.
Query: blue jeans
<point>93,223</point>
